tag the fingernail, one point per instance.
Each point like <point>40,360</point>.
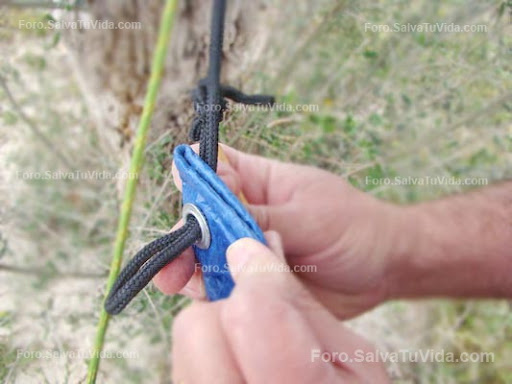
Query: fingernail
<point>238,255</point>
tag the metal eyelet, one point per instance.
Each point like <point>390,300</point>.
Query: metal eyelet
<point>191,209</point>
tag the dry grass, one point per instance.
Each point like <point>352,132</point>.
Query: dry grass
<point>389,105</point>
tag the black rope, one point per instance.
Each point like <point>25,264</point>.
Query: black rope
<point>209,104</point>
<point>201,107</point>
<point>208,98</point>
<point>144,266</point>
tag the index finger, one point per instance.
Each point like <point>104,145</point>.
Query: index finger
<point>259,179</point>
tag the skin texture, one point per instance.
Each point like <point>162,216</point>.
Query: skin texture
<point>323,222</point>
<point>365,252</point>
<point>212,342</point>
<point>462,247</point>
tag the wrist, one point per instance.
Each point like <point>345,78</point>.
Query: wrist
<point>409,258</point>
<point>394,239</point>
<point>443,248</point>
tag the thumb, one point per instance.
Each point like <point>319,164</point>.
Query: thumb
<point>266,296</point>
<point>260,320</point>
<point>252,263</point>
<point>246,256</point>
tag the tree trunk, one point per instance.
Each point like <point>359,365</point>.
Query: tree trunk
<point>113,65</point>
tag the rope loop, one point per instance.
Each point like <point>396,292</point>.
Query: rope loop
<point>210,103</point>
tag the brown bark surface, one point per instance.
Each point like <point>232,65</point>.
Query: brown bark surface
<point>113,64</point>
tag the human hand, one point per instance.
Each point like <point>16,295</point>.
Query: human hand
<point>269,330</point>
<point>347,235</point>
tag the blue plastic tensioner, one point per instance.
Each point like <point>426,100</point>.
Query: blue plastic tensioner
<point>222,217</point>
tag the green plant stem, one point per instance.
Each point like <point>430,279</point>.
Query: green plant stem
<point>137,159</point>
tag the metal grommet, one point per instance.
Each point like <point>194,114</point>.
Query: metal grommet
<point>191,209</point>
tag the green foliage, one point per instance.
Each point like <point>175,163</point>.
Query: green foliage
<point>389,104</point>
<point>9,117</point>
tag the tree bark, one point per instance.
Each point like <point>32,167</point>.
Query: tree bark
<point>113,65</point>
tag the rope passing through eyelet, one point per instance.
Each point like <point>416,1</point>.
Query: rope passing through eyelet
<point>192,210</point>
<point>209,104</point>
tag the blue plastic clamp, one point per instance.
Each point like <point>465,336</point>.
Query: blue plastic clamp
<point>227,219</point>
